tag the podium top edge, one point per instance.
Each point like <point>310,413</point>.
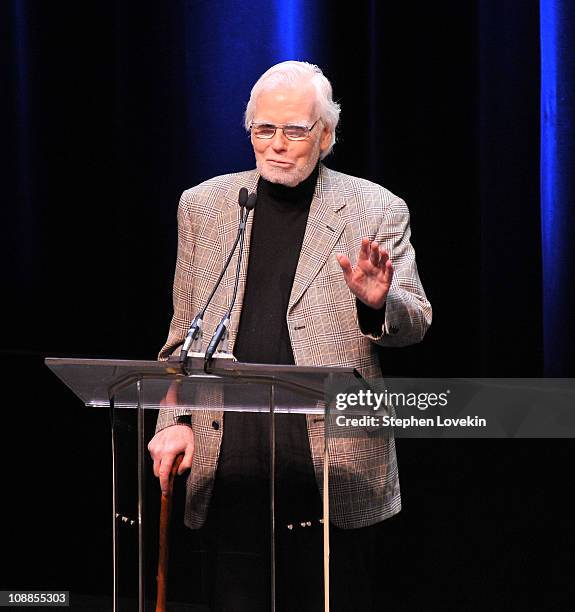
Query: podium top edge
<point>223,364</point>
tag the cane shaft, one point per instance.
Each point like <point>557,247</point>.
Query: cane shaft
<point>165,513</point>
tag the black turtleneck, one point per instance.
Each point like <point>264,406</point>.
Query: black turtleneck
<point>277,234</point>
<point>280,219</point>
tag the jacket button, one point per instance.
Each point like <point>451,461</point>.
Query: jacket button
<point>216,425</point>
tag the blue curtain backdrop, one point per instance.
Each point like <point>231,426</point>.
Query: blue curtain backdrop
<point>466,109</point>
<point>558,184</point>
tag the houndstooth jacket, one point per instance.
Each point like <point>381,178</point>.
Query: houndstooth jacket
<point>321,317</point>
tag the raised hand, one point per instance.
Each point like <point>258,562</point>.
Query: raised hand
<point>370,279</point>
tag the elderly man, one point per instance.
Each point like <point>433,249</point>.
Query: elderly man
<point>330,273</point>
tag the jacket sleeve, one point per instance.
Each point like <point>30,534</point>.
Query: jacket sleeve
<point>406,314</point>
<point>181,292</point>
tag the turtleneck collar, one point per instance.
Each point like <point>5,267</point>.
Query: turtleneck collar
<point>301,194</point>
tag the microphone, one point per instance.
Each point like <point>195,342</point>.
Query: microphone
<point>222,330</point>
<point>242,197</point>
<point>194,336</point>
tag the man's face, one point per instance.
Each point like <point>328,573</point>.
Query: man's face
<point>283,161</point>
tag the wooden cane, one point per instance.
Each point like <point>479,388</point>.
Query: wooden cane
<point>165,513</point>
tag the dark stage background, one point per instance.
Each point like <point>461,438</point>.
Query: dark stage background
<point>110,110</point>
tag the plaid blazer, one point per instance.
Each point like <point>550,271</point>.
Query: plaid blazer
<point>322,320</point>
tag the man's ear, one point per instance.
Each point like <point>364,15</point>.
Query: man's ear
<point>325,140</point>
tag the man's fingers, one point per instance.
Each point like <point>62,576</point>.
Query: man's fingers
<point>345,265</point>
<point>344,262</point>
<point>364,249</point>
<point>165,446</point>
<point>183,468</point>
<point>374,253</point>
<point>164,471</point>
<point>388,274</point>
<point>186,463</point>
<point>383,258</point>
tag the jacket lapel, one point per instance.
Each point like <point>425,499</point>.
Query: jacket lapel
<point>324,227</point>
<point>228,221</point>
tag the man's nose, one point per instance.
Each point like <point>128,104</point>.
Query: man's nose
<point>279,141</point>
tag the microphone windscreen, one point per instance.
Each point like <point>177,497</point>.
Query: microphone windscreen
<point>252,201</point>
<point>243,197</point>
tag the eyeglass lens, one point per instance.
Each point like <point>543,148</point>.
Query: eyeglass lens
<point>293,132</point>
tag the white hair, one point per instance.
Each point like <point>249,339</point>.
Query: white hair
<point>292,74</point>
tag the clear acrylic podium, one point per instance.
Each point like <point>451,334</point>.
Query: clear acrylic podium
<point>134,391</point>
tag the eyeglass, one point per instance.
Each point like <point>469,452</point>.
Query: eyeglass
<point>291,132</point>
